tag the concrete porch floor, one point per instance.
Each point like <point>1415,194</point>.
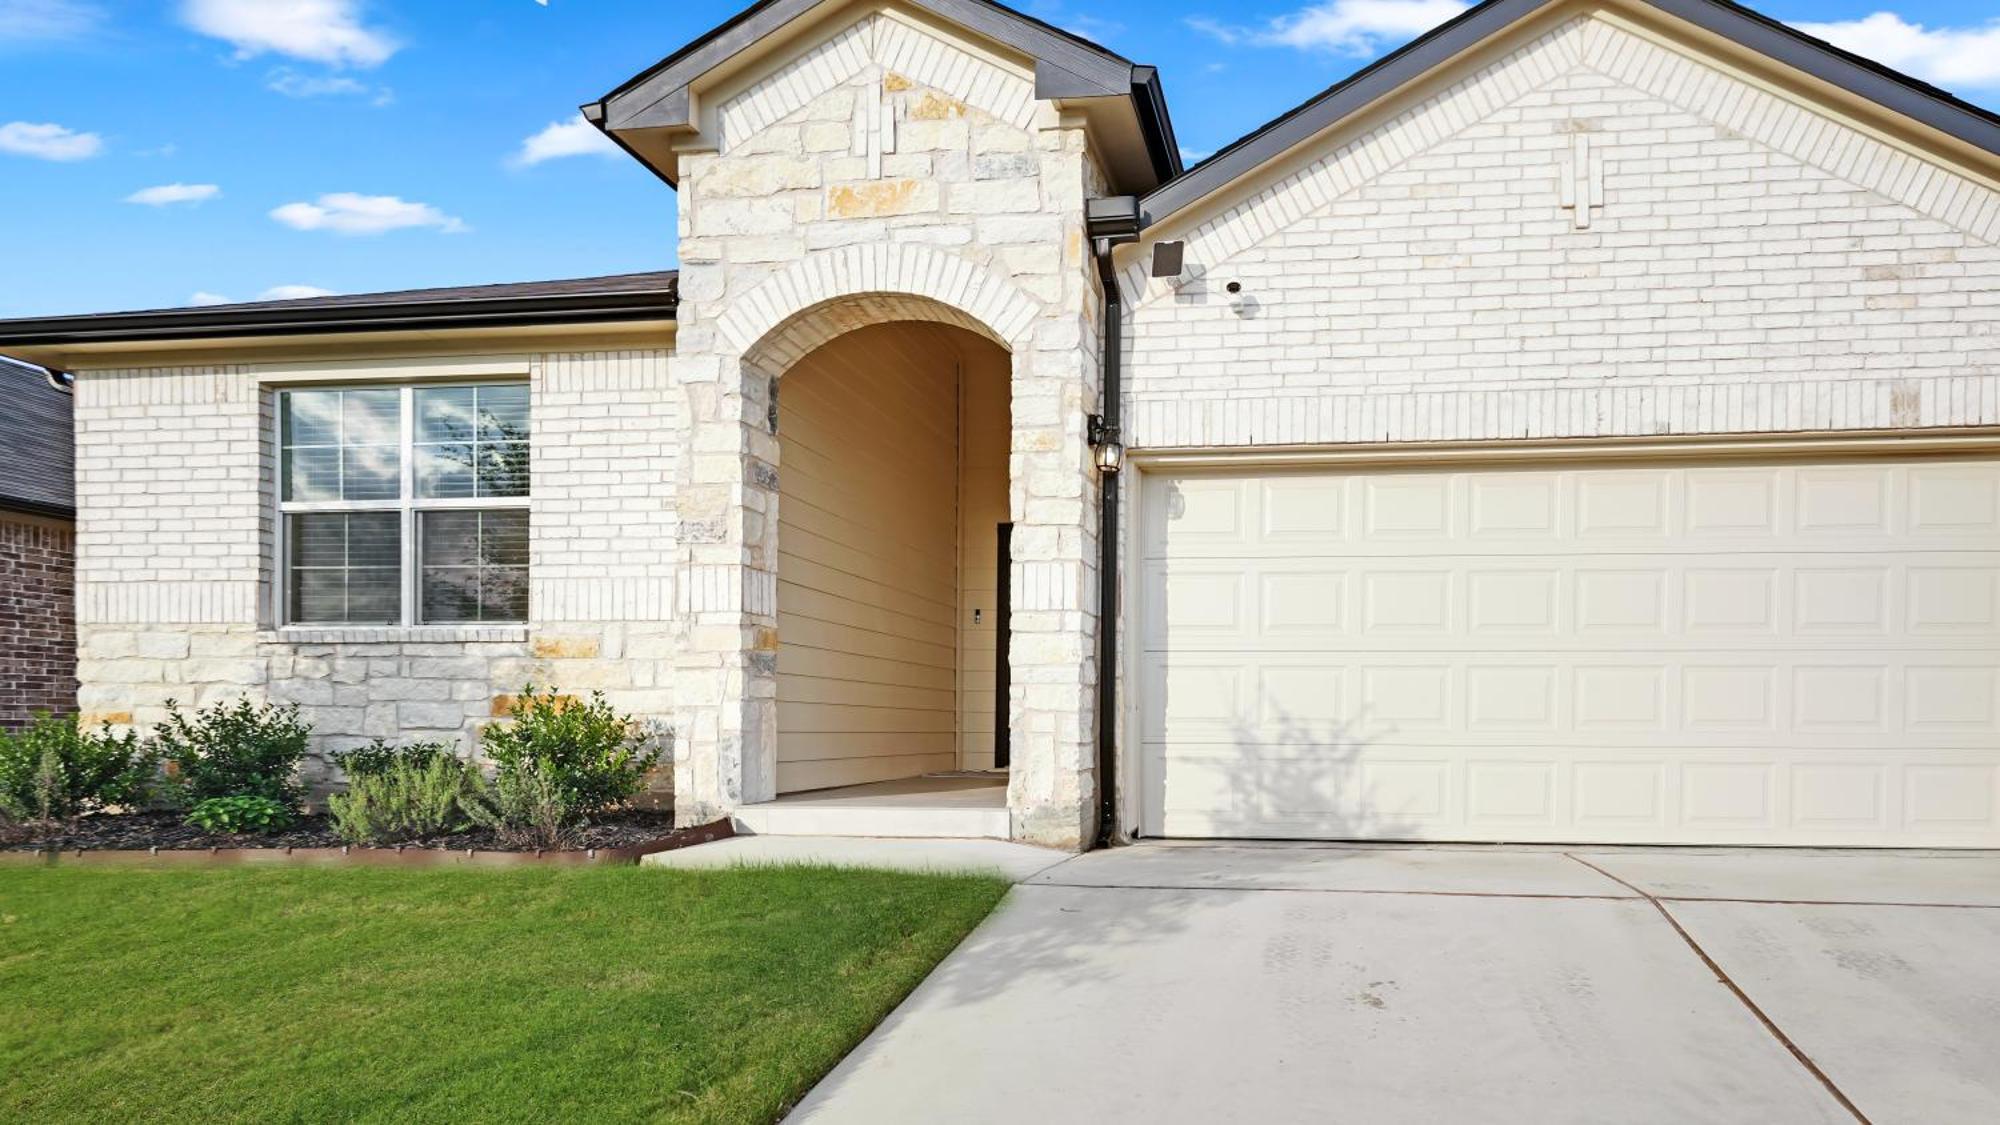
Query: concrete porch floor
<point>942,805</point>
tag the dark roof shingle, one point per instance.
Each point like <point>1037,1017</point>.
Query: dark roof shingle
<point>36,463</point>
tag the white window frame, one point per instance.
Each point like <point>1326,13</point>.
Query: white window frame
<point>408,503</point>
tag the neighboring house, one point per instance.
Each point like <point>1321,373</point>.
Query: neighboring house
<point>37,547</point>
<point>1581,425</point>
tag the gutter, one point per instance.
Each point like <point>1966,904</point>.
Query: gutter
<point>478,312</point>
<point>1110,223</point>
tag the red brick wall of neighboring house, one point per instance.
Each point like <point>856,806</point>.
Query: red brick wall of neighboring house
<point>37,617</point>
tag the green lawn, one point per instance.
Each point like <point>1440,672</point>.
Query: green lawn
<point>338,994</point>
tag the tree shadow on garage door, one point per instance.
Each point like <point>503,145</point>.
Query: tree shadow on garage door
<point>1289,778</point>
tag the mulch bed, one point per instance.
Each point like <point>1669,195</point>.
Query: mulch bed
<point>621,835</point>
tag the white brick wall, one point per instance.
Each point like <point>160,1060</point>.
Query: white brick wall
<point>1752,267</point>
<point>174,471</point>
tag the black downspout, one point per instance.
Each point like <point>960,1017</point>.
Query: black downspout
<point>1111,222</point>
<point>1107,563</point>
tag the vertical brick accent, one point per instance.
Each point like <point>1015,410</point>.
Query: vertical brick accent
<point>37,618</point>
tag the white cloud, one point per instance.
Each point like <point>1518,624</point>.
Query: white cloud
<point>1953,57</point>
<point>48,142</point>
<point>1361,28</point>
<point>1193,156</point>
<point>323,31</point>
<point>575,137</point>
<point>346,212</point>
<point>292,84</point>
<point>46,21</point>
<point>173,193</point>
<point>203,297</point>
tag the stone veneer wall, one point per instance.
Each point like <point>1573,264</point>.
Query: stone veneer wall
<point>174,471</point>
<point>37,618</point>
<point>886,172</point>
<point>1726,261</point>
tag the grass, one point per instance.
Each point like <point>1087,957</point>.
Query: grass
<point>371,994</point>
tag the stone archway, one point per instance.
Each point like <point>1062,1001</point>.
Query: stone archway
<point>726,569</point>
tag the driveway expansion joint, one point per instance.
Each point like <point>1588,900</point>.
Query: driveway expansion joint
<point>1722,977</point>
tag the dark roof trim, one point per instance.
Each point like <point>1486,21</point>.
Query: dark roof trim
<point>30,508</point>
<point>621,298</point>
<point>1786,45</point>
<point>1066,66</point>
<point>657,96</point>
<point>1149,97</point>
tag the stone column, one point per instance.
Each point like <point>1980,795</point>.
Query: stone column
<point>725,668</point>
<point>1052,791</point>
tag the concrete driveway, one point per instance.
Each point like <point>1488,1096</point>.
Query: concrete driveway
<point>1203,983</point>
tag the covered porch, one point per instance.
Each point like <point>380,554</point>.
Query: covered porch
<point>956,805</point>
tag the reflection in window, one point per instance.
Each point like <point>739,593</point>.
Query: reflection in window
<point>378,483</point>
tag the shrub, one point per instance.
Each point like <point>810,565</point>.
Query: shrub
<point>585,751</point>
<point>235,750</point>
<point>379,757</point>
<point>413,796</point>
<point>526,807</point>
<point>240,814</point>
<point>53,771</point>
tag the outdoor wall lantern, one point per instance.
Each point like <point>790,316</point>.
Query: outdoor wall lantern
<point>1105,449</point>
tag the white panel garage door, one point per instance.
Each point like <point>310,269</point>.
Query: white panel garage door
<point>1783,653</point>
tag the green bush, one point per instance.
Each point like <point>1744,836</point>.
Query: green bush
<point>53,771</point>
<point>235,750</point>
<point>526,806</point>
<point>585,752</point>
<point>379,757</point>
<point>411,797</point>
<point>240,814</point>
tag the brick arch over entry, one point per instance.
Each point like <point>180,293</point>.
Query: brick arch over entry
<point>813,300</point>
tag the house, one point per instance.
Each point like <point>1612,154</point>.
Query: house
<point>1579,425</point>
<point>37,547</point>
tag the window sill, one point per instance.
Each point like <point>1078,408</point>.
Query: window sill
<point>391,634</point>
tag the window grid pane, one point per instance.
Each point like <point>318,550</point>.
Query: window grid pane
<point>472,441</point>
<point>349,445</point>
<point>346,568</point>
<point>341,445</point>
<point>475,566</point>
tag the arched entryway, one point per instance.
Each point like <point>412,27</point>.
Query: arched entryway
<point>733,368</point>
<point>893,446</point>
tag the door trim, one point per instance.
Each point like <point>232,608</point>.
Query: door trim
<point>1969,440</point>
<point>1003,641</point>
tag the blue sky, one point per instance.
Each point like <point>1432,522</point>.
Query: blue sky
<point>166,152</point>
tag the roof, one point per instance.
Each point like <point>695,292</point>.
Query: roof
<point>1787,45</point>
<point>37,471</point>
<point>658,100</point>
<point>628,296</point>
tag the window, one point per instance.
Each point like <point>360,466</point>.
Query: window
<point>404,505</point>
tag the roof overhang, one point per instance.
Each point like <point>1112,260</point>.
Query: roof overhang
<point>659,113</point>
<point>63,342</point>
<point>1953,126</point>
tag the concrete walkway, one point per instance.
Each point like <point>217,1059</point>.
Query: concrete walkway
<point>1178,983</point>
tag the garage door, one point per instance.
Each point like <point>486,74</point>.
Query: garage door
<point>1782,653</point>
